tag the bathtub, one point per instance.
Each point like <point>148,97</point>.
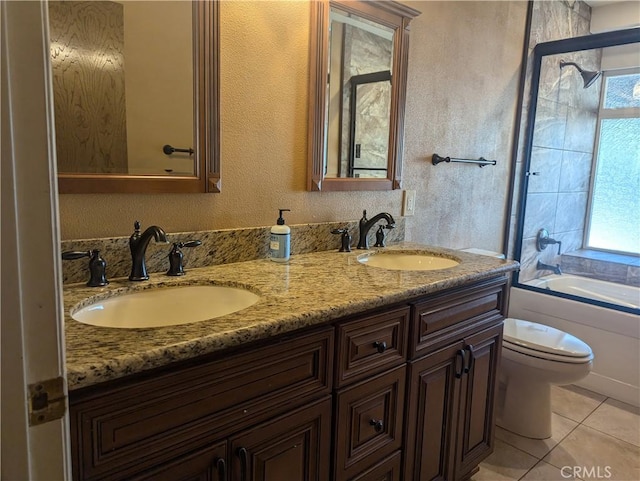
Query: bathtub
<point>614,335</point>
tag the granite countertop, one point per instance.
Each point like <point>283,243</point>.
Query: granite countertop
<point>310,289</point>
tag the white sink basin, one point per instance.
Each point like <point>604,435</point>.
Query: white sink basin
<point>402,261</point>
<point>165,307</point>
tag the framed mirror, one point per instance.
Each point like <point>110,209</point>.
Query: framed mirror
<point>358,78</point>
<point>136,95</point>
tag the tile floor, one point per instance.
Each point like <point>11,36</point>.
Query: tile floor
<point>593,438</point>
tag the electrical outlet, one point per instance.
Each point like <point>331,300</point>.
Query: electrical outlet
<point>408,202</point>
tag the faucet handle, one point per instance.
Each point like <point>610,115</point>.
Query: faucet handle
<point>345,245</point>
<point>175,257</point>
<point>380,237</point>
<point>97,266</point>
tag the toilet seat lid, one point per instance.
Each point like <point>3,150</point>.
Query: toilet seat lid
<point>541,338</point>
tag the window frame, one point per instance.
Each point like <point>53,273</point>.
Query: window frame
<point>605,114</point>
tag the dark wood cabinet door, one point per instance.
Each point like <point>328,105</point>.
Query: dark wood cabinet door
<point>207,464</point>
<point>434,386</point>
<point>478,390</point>
<point>293,447</point>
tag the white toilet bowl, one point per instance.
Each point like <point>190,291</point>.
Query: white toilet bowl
<point>534,357</point>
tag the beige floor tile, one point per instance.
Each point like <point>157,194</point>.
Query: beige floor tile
<point>505,464</point>
<point>546,472</point>
<point>560,427</point>
<point>617,419</point>
<point>598,455</point>
<point>574,402</point>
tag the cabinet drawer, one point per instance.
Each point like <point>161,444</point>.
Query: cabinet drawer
<point>369,422</point>
<point>442,318</point>
<point>208,463</point>
<point>145,420</point>
<point>371,345</point>
<point>386,470</point>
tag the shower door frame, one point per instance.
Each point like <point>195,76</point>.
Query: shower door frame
<point>575,44</point>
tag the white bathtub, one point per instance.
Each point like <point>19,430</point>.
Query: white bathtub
<point>627,296</point>
<point>614,336</point>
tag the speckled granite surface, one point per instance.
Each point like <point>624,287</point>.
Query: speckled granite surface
<point>218,247</point>
<point>310,289</point>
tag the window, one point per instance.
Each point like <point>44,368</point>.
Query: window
<point>614,217</point>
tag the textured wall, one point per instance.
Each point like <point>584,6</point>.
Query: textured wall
<point>463,71</point>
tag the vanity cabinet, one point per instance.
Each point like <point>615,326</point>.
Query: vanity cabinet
<point>453,381</point>
<point>154,421</point>
<point>404,392</point>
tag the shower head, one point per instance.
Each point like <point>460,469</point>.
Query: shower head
<point>588,76</point>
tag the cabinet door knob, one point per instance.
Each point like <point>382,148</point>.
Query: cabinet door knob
<point>242,454</point>
<point>381,346</point>
<point>377,425</point>
<point>221,466</point>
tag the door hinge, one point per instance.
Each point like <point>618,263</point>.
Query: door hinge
<point>47,401</point>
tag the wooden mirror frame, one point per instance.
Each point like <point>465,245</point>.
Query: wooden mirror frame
<point>206,52</point>
<point>385,12</point>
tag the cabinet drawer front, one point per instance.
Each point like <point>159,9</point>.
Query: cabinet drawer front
<point>442,318</point>
<point>386,470</point>
<point>371,345</point>
<point>208,464</point>
<point>369,422</point>
<point>146,420</point>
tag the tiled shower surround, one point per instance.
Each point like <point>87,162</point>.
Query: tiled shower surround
<point>218,247</point>
<point>561,159</point>
<point>562,153</point>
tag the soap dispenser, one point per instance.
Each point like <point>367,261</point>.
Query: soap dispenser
<point>280,240</point>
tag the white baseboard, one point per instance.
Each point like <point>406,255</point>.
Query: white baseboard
<point>611,388</point>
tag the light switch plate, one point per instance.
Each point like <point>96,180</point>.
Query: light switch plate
<point>408,203</point>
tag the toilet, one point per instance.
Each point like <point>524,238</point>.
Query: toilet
<point>534,357</point>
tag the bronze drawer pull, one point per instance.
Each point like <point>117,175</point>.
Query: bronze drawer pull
<point>472,358</point>
<point>222,469</point>
<point>242,454</point>
<point>377,425</point>
<point>462,354</point>
<point>381,346</point>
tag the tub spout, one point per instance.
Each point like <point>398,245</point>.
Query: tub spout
<point>540,266</point>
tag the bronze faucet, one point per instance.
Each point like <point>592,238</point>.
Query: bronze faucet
<point>367,224</point>
<point>138,245</point>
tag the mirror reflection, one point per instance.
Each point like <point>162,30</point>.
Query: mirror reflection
<point>112,113</point>
<point>359,99</point>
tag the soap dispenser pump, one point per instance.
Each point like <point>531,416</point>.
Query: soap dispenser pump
<point>280,240</point>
